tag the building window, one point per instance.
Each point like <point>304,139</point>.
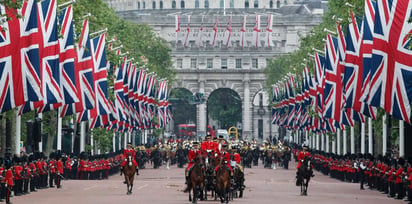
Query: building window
<point>182,4</point>
<point>232,3</point>
<point>209,63</point>
<point>256,4</point>
<point>138,5</point>
<point>271,4</point>
<point>238,63</point>
<point>179,63</point>
<point>260,99</point>
<point>260,129</point>
<point>278,4</point>
<point>255,63</point>
<point>223,63</point>
<point>285,2</point>
<point>173,4</point>
<point>144,4</point>
<point>247,4</point>
<point>197,4</point>
<point>193,63</point>
<point>161,4</point>
<point>153,5</point>
<point>206,4</point>
<point>222,3</point>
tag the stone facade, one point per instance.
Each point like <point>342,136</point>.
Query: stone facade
<point>203,67</point>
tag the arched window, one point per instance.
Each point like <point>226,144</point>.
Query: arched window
<point>206,4</point>
<point>196,3</point>
<point>138,5</point>
<point>173,4</point>
<point>247,4</point>
<point>222,4</point>
<point>153,5</point>
<point>278,4</point>
<point>144,4</point>
<point>182,4</point>
<point>271,4</point>
<point>161,4</point>
<point>256,4</point>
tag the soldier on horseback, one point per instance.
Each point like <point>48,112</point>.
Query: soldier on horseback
<point>192,155</point>
<point>223,154</point>
<point>128,150</point>
<point>208,145</point>
<point>301,156</point>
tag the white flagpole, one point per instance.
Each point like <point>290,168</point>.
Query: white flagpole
<point>59,131</point>
<point>352,140</point>
<point>384,134</point>
<point>82,136</point>
<point>363,138</point>
<point>401,138</point>
<point>338,141</point>
<point>18,132</point>
<point>370,137</point>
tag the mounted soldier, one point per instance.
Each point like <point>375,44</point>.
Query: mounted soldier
<point>192,155</point>
<point>301,156</point>
<point>128,150</point>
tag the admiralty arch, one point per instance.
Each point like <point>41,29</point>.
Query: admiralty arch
<point>207,58</point>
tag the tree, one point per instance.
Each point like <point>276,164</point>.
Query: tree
<point>225,106</point>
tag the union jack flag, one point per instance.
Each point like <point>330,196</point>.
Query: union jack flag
<point>19,57</point>
<point>84,68</point>
<point>333,82</point>
<point>102,106</point>
<point>67,56</point>
<point>391,73</point>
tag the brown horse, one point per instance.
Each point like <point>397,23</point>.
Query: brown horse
<point>222,181</point>
<point>196,179</point>
<point>239,178</point>
<point>129,170</point>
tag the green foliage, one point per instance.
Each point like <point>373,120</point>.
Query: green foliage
<point>278,67</point>
<point>225,106</point>
<point>103,139</point>
<point>182,111</point>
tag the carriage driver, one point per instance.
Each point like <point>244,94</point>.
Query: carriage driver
<point>192,155</point>
<point>301,156</point>
<point>128,150</point>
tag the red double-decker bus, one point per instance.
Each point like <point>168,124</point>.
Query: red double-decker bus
<point>189,130</point>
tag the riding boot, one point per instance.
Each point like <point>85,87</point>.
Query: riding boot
<point>137,171</point>
<point>121,171</point>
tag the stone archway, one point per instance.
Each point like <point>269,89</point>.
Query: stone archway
<point>224,109</point>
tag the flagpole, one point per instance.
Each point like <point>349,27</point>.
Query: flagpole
<point>59,130</point>
<point>370,137</point>
<point>41,128</point>
<point>73,133</point>
<point>384,134</point>
<point>334,146</point>
<point>18,132</point>
<point>114,141</point>
<point>327,144</point>
<point>401,138</point>
<point>363,138</point>
<point>91,143</point>
<point>352,140</point>
<point>345,143</point>
<point>82,135</point>
<point>338,141</point>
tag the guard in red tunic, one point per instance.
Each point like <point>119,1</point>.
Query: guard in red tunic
<point>8,179</point>
<point>226,158</point>
<point>192,155</point>
<point>220,143</point>
<point>128,150</point>
<point>59,171</point>
<point>301,156</point>
<point>208,145</point>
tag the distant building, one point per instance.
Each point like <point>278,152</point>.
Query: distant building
<point>227,44</point>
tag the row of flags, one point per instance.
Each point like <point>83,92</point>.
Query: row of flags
<point>228,36</point>
<point>366,68</point>
<point>43,69</point>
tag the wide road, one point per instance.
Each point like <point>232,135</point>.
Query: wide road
<point>155,186</point>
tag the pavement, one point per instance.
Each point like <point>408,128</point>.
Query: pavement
<point>158,186</point>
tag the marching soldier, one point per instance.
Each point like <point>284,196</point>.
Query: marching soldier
<point>59,171</point>
<point>8,179</point>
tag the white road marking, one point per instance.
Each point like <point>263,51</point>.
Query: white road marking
<point>144,186</point>
<point>88,188</point>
